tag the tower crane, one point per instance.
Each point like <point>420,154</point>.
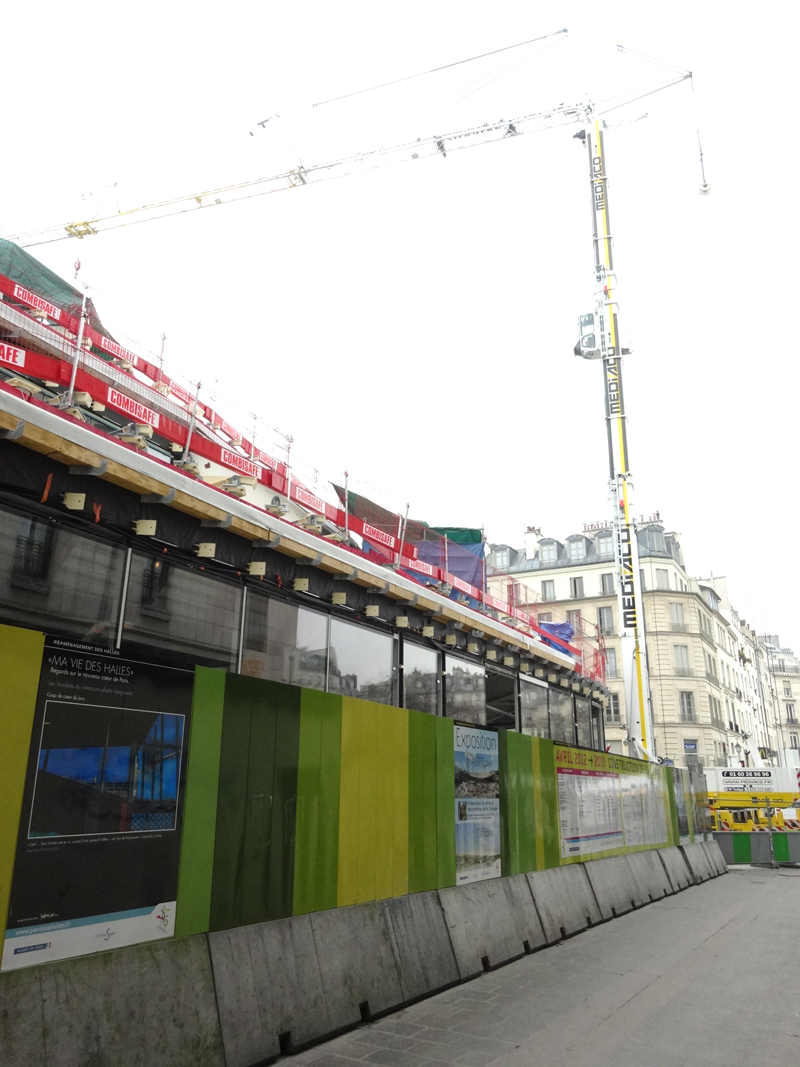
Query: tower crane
<point>599,329</point>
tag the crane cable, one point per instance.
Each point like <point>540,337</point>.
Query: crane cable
<point>435,70</point>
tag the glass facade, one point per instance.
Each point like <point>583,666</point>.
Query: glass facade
<point>361,662</point>
<point>69,583</point>
<point>185,612</point>
<point>534,716</point>
<point>421,678</point>
<point>55,579</point>
<point>465,691</point>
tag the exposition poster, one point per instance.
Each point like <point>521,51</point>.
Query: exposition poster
<point>99,840</point>
<point>477,780</point>
<point>607,802</point>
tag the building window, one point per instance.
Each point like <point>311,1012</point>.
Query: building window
<point>604,546</point>
<point>547,552</point>
<point>545,616</point>
<point>501,557</point>
<point>787,689</point>
<point>607,583</point>
<point>422,671</point>
<point>549,590</point>
<point>687,706</point>
<point>790,713</point>
<point>676,618</point>
<point>33,553</point>
<point>611,663</point>
<point>574,619</point>
<point>682,668</point>
<point>793,741</point>
<point>605,620</point>
<point>655,540</point>
<point>577,549</point>
<point>576,588</point>
<point>612,709</point>
<point>662,578</point>
<point>642,582</point>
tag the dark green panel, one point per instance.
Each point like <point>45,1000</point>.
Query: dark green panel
<point>445,805</point>
<point>330,771</point>
<point>260,802</point>
<point>741,848</point>
<point>196,872</point>
<point>549,813</point>
<point>226,894</point>
<point>285,700</point>
<point>780,844</point>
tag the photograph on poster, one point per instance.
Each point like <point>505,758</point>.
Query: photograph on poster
<point>105,770</point>
<point>477,806</point>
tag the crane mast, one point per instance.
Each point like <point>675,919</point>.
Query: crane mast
<point>600,339</point>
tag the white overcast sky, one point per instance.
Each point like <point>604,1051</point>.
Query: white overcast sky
<point>415,325</point>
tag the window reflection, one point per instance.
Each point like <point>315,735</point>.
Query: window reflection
<point>465,692</point>
<point>285,643</point>
<point>57,580</point>
<point>361,663</point>
<point>533,710</point>
<point>583,722</point>
<point>501,700</point>
<point>561,724</point>
<point>188,613</point>
<point>421,677</point>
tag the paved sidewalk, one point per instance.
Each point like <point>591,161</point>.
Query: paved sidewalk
<point>708,977</point>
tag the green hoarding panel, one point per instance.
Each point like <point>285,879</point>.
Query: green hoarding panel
<point>329,790</point>
<point>780,844</point>
<point>284,700</point>
<point>421,802</point>
<point>260,802</point>
<point>549,813</point>
<point>445,805</point>
<point>307,839</point>
<point>741,848</point>
<point>196,870</point>
<point>226,896</point>
<point>521,748</point>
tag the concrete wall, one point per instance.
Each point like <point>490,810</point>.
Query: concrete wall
<point>238,997</point>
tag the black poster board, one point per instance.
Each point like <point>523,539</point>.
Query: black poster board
<point>99,839</point>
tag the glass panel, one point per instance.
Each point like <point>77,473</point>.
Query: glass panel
<point>361,663</point>
<point>421,678</point>
<point>533,714</point>
<point>501,701</point>
<point>598,732</point>
<point>465,694</point>
<point>171,609</point>
<point>59,581</point>
<point>583,721</point>
<point>561,724</point>
<point>284,642</point>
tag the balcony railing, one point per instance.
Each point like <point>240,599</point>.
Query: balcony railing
<point>684,672</point>
<point>679,627</point>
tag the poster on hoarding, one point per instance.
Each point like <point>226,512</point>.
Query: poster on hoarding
<point>99,839</point>
<point>477,781</point>
<point>607,802</point>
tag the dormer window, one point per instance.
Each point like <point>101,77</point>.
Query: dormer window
<point>604,546</point>
<point>547,552</point>
<point>501,558</point>
<point>577,550</point>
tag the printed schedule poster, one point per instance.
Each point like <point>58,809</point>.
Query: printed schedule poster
<point>608,802</point>
<point>99,838</point>
<point>477,780</point>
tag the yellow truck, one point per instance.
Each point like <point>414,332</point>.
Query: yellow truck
<point>750,798</point>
